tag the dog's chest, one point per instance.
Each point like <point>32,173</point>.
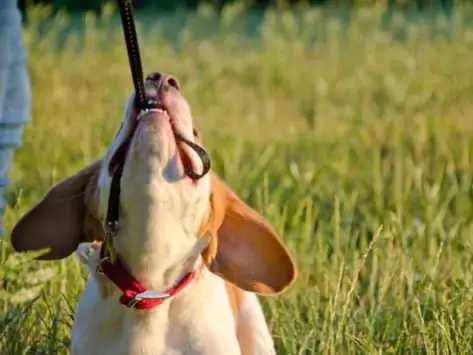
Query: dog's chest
<point>197,321</point>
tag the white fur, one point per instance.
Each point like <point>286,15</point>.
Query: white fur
<point>197,321</point>
<point>253,331</point>
<point>157,241</point>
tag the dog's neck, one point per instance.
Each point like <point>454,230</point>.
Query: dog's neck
<point>157,238</point>
<point>155,247</point>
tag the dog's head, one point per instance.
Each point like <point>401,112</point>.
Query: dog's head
<point>243,247</point>
<point>156,157</point>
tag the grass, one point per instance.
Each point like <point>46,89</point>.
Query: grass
<point>353,140</point>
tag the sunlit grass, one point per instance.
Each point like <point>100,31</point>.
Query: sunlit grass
<point>355,142</point>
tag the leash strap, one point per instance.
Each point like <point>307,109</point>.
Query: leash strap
<point>134,294</point>
<point>134,59</point>
<point>204,157</point>
<point>113,210</point>
<point>133,51</point>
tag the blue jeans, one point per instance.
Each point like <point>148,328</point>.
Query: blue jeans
<point>15,92</point>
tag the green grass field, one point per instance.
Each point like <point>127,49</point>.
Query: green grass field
<point>355,142</point>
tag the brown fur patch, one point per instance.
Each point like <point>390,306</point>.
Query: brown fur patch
<point>245,250</point>
<point>215,219</point>
<point>234,297</point>
<point>57,221</point>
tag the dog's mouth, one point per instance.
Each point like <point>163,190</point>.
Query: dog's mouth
<point>188,151</point>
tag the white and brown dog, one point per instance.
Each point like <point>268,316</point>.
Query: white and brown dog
<point>191,256</point>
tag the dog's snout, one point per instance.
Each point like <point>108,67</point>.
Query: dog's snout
<point>164,81</point>
<point>154,77</point>
<point>171,81</point>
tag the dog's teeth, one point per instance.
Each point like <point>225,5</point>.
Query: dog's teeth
<point>147,110</point>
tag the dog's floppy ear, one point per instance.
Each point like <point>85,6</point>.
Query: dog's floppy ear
<point>57,221</point>
<point>249,253</point>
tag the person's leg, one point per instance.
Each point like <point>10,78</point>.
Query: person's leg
<point>15,95</point>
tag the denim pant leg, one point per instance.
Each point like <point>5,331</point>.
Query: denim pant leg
<point>15,95</point>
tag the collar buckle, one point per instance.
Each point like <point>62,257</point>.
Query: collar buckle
<point>146,295</point>
<point>111,230</point>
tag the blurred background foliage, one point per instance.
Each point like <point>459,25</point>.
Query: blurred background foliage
<point>173,5</point>
<point>332,121</point>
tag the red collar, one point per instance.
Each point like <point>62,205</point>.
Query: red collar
<point>134,294</point>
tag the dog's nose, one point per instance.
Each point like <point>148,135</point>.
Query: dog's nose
<point>164,81</point>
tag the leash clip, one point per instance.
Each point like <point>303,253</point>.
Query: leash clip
<point>111,230</point>
<point>98,268</point>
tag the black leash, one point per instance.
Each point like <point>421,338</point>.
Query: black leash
<point>143,102</point>
<point>134,58</point>
<point>204,157</point>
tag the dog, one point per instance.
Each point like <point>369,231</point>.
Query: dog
<point>190,257</point>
